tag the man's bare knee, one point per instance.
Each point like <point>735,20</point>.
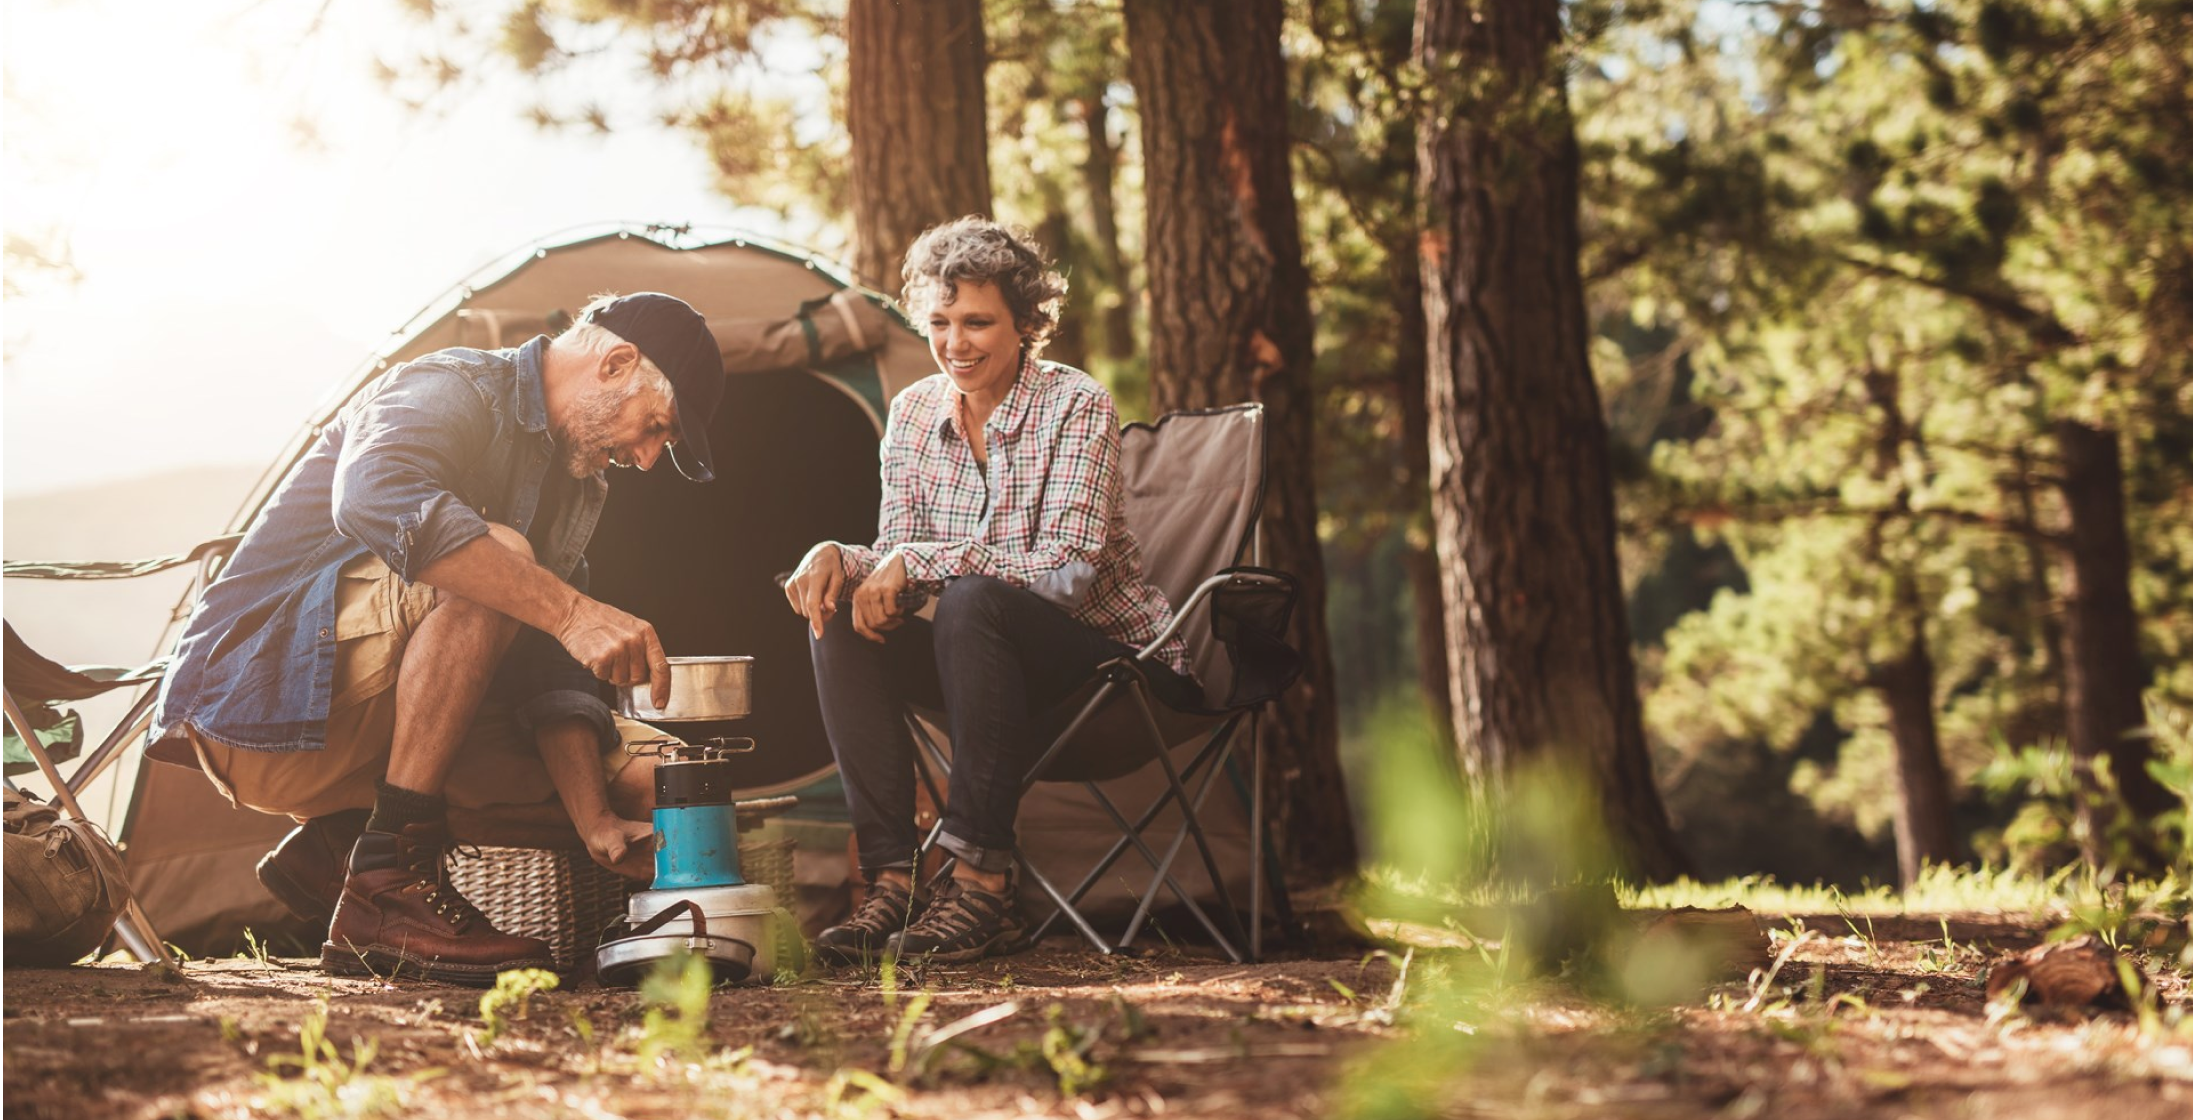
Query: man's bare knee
<point>510,538</point>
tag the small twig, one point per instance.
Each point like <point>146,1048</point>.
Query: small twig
<point>931,1040</point>
<point>1767,982</point>
<point>1228,1054</point>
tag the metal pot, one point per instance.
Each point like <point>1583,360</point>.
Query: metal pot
<point>701,688</point>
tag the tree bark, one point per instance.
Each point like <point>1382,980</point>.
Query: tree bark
<point>1925,828</point>
<point>1925,832</point>
<point>2103,673</point>
<point>915,111</point>
<point>1522,493</point>
<point>1230,321</point>
<point>1099,174</point>
<point>2044,609</point>
<point>1070,343</point>
<point>1421,559</point>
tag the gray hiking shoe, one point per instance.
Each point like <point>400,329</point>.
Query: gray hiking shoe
<point>882,914</point>
<point>963,923</point>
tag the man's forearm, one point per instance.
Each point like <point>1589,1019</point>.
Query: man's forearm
<point>495,577</point>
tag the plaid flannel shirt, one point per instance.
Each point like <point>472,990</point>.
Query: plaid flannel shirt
<point>1049,516</point>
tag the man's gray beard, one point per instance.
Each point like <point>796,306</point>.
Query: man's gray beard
<point>588,431</point>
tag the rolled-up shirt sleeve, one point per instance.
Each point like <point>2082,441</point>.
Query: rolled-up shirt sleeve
<point>392,480</point>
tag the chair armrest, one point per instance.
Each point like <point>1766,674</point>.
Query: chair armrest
<point>1244,578</point>
<point>217,548</point>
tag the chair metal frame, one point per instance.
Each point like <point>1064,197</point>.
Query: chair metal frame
<point>132,926</point>
<point>1219,741</point>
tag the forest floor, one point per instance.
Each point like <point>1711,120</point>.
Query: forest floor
<point>1864,1015</point>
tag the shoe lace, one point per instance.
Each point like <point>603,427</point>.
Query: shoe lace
<point>884,909</point>
<point>958,911</point>
<point>433,882</point>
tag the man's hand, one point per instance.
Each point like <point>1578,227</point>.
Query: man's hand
<point>876,601</point>
<point>625,847</point>
<point>615,646</point>
<point>814,588</point>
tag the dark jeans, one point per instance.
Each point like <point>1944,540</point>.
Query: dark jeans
<point>996,656</point>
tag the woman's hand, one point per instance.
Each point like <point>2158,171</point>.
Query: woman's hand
<point>814,586</point>
<point>625,847</point>
<point>876,601</point>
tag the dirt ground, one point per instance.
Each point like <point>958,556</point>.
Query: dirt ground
<point>1887,1019</point>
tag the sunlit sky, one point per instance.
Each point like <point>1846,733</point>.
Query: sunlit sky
<point>233,270</point>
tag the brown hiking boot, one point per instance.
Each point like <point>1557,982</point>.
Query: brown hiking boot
<point>401,916</point>
<point>305,872</point>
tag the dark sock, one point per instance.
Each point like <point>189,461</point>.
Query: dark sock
<point>394,807</point>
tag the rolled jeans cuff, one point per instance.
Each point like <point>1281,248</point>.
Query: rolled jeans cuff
<point>992,861</point>
<point>563,703</point>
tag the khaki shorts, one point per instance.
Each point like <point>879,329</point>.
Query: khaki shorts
<point>375,616</point>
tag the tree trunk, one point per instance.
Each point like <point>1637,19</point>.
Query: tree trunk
<point>1230,321</point>
<point>1422,556</point>
<point>1070,344</point>
<point>914,108</point>
<point>1099,175</point>
<point>1925,828</point>
<point>1522,495</point>
<point>2044,609</point>
<point>1925,832</point>
<point>2103,673</point>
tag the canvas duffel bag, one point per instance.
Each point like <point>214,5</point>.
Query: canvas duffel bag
<point>65,884</point>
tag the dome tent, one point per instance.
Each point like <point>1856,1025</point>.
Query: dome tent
<point>795,449</point>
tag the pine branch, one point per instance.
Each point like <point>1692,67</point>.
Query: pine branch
<point>2041,326</point>
<point>1773,512</point>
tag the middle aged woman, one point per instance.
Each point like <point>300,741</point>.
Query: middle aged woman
<point>1001,495</point>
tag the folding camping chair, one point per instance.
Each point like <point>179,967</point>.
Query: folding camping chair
<point>1194,485</point>
<point>34,686</point>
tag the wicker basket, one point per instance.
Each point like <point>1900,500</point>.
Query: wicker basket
<point>567,900</point>
<point>769,862</point>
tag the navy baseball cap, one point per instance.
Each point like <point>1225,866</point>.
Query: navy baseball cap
<point>676,338</point>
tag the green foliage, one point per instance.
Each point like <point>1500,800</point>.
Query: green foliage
<point>511,998</point>
<point>2125,915</point>
<point>2171,726</point>
<point>319,1083</point>
<point>2040,781</point>
<point>903,1033</point>
<point>1067,1047</point>
<point>676,991</point>
<point>1894,262</point>
<point>1938,889</point>
<point>2048,827</point>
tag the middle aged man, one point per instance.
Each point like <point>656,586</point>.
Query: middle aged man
<point>411,604</point>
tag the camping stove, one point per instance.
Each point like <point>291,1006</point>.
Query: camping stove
<point>698,902</point>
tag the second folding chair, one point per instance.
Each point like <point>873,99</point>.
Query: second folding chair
<point>1194,485</point>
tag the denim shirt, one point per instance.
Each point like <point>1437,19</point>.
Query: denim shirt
<point>413,468</point>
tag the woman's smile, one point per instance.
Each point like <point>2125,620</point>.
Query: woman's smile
<point>976,342</point>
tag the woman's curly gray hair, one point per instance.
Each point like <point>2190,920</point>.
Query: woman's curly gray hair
<point>977,249</point>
